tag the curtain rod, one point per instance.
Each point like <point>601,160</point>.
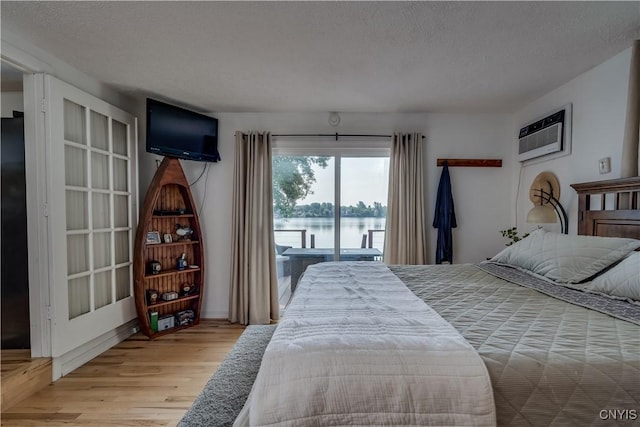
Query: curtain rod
<point>335,135</point>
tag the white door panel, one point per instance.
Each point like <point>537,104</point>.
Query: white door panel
<point>92,186</point>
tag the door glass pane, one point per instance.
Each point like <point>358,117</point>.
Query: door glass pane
<point>101,250</point>
<point>99,131</point>
<point>121,211</point>
<point>78,296</point>
<point>77,210</point>
<point>119,135</point>
<point>363,195</point>
<point>102,289</point>
<point>75,123</point>
<point>100,171</point>
<point>120,176</point>
<point>77,253</point>
<point>101,211</point>
<point>75,162</point>
<point>121,246</point>
<point>303,209</point>
<point>123,280</point>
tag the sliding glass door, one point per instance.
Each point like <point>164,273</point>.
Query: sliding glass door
<point>303,200</point>
<point>328,206</point>
<point>363,206</point>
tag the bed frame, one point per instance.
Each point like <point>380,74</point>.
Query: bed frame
<point>609,208</point>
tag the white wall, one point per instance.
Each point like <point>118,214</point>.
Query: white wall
<point>481,206</point>
<point>599,99</point>
<point>11,101</point>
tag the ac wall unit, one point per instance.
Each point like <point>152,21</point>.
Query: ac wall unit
<point>545,136</point>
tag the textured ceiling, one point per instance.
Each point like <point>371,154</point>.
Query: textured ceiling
<point>331,56</point>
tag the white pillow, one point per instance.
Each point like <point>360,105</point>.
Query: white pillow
<point>622,280</point>
<point>565,258</point>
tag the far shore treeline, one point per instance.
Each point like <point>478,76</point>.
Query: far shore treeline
<point>325,210</point>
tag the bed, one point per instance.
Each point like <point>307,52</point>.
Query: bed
<point>554,338</point>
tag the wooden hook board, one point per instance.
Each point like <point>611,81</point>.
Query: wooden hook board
<point>475,163</point>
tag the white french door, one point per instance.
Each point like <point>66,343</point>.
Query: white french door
<point>91,203</point>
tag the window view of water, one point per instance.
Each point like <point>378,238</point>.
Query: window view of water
<point>351,231</point>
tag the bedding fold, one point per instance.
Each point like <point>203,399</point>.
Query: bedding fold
<point>357,347</point>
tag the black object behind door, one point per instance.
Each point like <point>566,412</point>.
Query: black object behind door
<point>15,280</point>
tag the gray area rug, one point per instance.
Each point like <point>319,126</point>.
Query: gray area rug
<point>223,397</point>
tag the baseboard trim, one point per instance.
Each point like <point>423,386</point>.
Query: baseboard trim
<point>75,358</point>
<point>215,314</point>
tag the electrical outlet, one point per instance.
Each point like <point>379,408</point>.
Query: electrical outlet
<point>135,329</point>
<point>604,165</point>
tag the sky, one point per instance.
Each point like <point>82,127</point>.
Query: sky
<point>363,179</point>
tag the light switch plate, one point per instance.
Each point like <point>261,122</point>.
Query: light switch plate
<point>604,165</point>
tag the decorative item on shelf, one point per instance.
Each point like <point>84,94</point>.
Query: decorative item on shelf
<point>181,262</point>
<point>544,193</point>
<point>184,232</point>
<point>168,238</point>
<point>153,238</point>
<point>153,320</point>
<point>166,322</point>
<point>187,289</point>
<point>185,317</point>
<point>166,212</point>
<point>169,296</point>
<point>152,296</point>
<point>154,267</point>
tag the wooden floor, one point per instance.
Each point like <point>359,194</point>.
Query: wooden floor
<point>284,292</point>
<point>22,375</point>
<point>136,383</point>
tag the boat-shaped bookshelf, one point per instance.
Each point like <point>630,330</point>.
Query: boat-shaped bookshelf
<point>168,260</point>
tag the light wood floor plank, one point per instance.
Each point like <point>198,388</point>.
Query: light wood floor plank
<point>137,383</point>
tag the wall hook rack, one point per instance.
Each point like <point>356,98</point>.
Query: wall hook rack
<point>475,163</point>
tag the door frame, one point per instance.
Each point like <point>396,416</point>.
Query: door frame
<point>36,190</point>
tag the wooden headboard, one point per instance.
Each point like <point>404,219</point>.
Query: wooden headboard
<point>609,208</point>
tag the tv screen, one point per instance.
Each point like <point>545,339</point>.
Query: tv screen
<point>175,132</point>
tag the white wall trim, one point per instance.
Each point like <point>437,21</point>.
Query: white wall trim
<point>37,220</point>
<point>22,60</point>
<point>73,359</point>
<point>214,314</point>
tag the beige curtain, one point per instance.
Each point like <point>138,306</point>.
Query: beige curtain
<point>630,152</point>
<point>405,238</point>
<point>254,286</point>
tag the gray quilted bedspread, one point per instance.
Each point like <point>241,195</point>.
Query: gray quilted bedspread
<point>550,362</point>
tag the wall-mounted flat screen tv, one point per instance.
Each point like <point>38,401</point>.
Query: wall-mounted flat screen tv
<point>176,132</point>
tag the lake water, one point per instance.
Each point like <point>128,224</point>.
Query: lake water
<point>351,231</point>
